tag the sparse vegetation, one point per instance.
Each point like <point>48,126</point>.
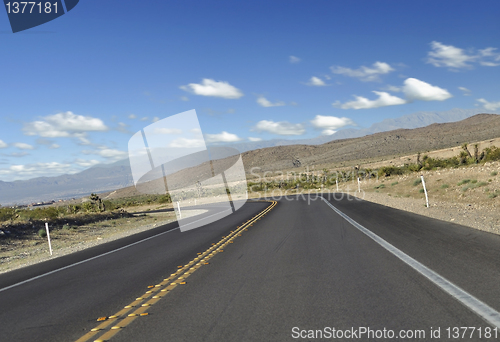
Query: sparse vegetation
<point>417,182</point>
<point>42,233</point>
<point>445,186</point>
<point>395,183</point>
<point>494,173</point>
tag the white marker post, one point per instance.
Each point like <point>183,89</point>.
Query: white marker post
<point>359,186</point>
<point>337,182</point>
<point>48,236</point>
<point>179,209</point>
<point>425,190</point>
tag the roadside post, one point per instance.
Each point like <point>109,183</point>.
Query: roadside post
<point>337,183</point>
<point>359,185</point>
<point>48,236</point>
<point>425,191</point>
<point>179,209</point>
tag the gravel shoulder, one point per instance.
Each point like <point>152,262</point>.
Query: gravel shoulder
<point>18,253</point>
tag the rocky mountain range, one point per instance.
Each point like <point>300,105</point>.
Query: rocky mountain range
<point>345,147</point>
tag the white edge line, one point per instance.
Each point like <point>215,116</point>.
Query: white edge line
<point>101,255</point>
<point>489,314</point>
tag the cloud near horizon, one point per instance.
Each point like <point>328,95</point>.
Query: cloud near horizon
<point>364,73</point>
<point>63,125</point>
<point>210,87</point>
<point>316,82</point>
<point>456,58</point>
<point>279,128</point>
<point>330,124</point>
<point>261,100</point>
<point>222,137</point>
<point>493,106</point>
<point>413,89</point>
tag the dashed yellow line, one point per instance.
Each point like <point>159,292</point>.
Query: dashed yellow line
<point>156,292</point>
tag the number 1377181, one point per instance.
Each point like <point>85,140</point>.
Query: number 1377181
<point>31,7</point>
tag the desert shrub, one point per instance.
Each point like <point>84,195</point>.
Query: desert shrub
<point>494,173</point>
<point>463,181</point>
<point>387,171</point>
<point>474,181</point>
<point>88,207</point>
<point>108,205</point>
<point>7,214</point>
<point>381,186</point>
<point>42,233</point>
<point>48,213</point>
<point>491,153</point>
<point>421,191</point>
<point>417,182</point>
<point>445,186</point>
<point>165,199</point>
<point>395,183</point>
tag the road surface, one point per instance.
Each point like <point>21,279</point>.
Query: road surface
<point>294,273</point>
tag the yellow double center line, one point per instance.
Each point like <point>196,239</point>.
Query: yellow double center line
<point>113,324</point>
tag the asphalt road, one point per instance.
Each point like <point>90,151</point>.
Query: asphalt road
<point>301,267</point>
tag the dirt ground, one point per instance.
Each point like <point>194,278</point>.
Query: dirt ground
<point>17,253</point>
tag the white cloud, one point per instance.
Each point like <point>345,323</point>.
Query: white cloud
<point>494,56</point>
<point>86,163</point>
<point>108,153</point>
<point>293,103</point>
<point>132,116</point>
<point>222,137</point>
<point>64,125</point>
<point>186,143</point>
<point>413,89</point>
<point>156,119</point>
<point>294,59</point>
<point>456,58</point>
<point>419,90</point>
<point>384,99</point>
<point>254,139</point>
<point>266,103</point>
<point>144,118</point>
<point>209,87</point>
<point>23,146</point>
<point>316,82</point>
<point>184,98</point>
<point>27,171</point>
<point>54,146</point>
<point>448,56</point>
<point>330,124</point>
<point>493,106</point>
<point>280,128</point>
<point>466,92</point>
<point>2,144</point>
<point>364,73</point>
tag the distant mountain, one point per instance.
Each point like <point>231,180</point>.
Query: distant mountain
<point>98,178</point>
<point>108,177</point>
<point>415,120</point>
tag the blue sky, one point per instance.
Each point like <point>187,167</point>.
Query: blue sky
<point>74,90</point>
